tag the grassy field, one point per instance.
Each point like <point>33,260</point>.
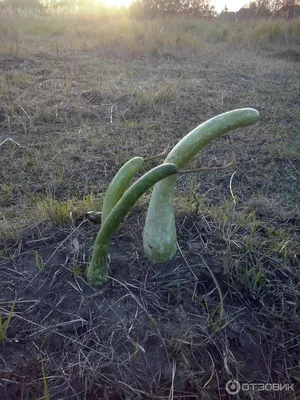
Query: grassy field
<point>81,95</point>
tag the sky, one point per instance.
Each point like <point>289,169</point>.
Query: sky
<point>233,5</point>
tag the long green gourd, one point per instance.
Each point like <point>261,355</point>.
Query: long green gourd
<point>119,184</point>
<point>97,273</point>
<point>159,235</point>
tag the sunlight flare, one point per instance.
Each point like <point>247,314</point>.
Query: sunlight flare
<point>116,3</point>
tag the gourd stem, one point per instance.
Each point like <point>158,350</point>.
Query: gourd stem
<point>207,169</point>
<point>163,154</point>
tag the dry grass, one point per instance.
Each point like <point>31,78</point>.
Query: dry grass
<point>61,34</point>
<point>78,98</point>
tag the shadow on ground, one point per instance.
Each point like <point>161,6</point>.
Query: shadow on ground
<point>155,331</point>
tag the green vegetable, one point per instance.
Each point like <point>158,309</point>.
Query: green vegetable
<point>98,268</point>
<point>119,184</point>
<point>159,235</point>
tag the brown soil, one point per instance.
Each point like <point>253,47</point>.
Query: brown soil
<point>289,54</point>
<point>147,331</point>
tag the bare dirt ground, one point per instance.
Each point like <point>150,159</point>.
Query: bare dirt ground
<point>152,331</point>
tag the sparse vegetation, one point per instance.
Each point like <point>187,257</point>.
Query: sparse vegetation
<point>79,96</point>
<point>4,325</point>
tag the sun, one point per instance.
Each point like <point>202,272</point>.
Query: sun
<point>117,3</point>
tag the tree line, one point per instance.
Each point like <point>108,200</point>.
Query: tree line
<point>172,7</point>
<point>269,8</point>
<point>154,8</point>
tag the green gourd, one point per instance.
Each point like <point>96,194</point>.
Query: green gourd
<point>97,273</point>
<point>159,235</point>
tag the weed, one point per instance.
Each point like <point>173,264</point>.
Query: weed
<point>258,278</point>
<point>57,211</point>
<point>215,323</point>
<point>77,270</point>
<point>60,212</point>
<point>39,262</point>
<point>4,325</point>
<point>45,384</point>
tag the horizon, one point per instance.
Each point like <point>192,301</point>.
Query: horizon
<point>233,5</point>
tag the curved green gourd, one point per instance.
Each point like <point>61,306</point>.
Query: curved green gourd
<point>159,235</point>
<point>119,184</point>
<point>98,269</point>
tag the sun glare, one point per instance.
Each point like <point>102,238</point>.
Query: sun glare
<point>117,3</point>
<point>233,5</point>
